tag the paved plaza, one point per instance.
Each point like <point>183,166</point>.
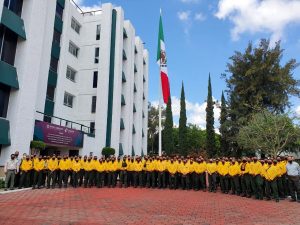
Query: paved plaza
<point>141,206</point>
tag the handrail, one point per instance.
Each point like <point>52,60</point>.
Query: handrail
<point>82,12</point>
<point>72,122</point>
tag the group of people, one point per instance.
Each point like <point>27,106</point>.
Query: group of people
<point>247,177</point>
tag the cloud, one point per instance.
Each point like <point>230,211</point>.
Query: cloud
<point>190,1</point>
<point>199,17</point>
<point>257,16</point>
<point>195,112</point>
<point>88,8</point>
<point>184,15</point>
<point>298,110</point>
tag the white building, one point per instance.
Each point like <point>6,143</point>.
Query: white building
<point>83,70</point>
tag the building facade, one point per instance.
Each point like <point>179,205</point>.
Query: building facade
<point>67,73</point>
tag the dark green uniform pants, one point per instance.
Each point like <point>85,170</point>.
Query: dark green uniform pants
<point>272,185</point>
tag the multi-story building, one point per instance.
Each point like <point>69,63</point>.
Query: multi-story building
<point>78,81</point>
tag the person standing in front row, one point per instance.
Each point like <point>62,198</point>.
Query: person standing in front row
<point>11,168</point>
<point>293,173</point>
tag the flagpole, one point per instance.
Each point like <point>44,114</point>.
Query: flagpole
<point>159,110</point>
<point>159,115</point>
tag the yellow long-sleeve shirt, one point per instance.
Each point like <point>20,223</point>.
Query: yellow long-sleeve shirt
<point>160,166</point>
<point>199,167</point>
<point>271,172</point>
<point>138,166</point>
<point>76,166</point>
<point>234,169</point>
<point>172,168</point>
<point>64,165</point>
<point>88,166</point>
<point>244,168</point>
<point>211,168</point>
<point>184,169</point>
<point>26,165</point>
<point>39,165</point>
<point>255,168</point>
<point>223,169</point>
<point>52,164</point>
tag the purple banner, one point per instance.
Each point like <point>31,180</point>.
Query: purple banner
<point>57,135</point>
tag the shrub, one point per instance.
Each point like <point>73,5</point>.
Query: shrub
<point>107,151</point>
<point>38,145</point>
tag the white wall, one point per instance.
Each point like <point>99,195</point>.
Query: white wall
<point>1,7</point>
<point>32,63</point>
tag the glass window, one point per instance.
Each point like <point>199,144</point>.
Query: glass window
<point>96,55</point>
<point>68,100</point>
<point>75,25</point>
<point>47,119</point>
<point>73,49</point>
<point>54,64</point>
<point>98,30</point>
<point>71,74</point>
<point>92,127</point>
<point>8,46</point>
<point>50,93</point>
<point>95,79</point>
<point>94,100</point>
<point>59,11</point>
<point>14,5</point>
<point>4,98</point>
<point>56,36</point>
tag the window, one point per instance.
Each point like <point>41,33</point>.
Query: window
<point>14,5</point>
<point>75,25</point>
<point>96,55</point>
<point>98,30</point>
<point>59,11</point>
<point>71,73</point>
<point>94,101</point>
<point>68,100</point>
<point>95,79</point>
<point>4,98</point>
<point>8,45</point>
<point>56,37</point>
<point>50,93</point>
<point>54,64</point>
<point>73,49</point>
<point>92,127</point>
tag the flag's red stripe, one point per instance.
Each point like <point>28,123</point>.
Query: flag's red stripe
<point>165,86</point>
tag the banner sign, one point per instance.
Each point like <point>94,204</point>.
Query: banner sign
<point>57,135</point>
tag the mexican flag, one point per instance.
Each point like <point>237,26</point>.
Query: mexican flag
<point>162,62</point>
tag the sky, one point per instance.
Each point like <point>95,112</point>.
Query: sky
<point>200,37</point>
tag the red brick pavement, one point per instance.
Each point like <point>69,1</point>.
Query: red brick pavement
<point>141,206</point>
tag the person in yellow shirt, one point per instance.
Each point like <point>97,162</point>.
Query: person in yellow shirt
<point>211,168</point>
<point>76,166</point>
<point>234,173</point>
<point>25,168</point>
<point>184,169</point>
<point>123,173</point>
<point>281,164</point>
<point>161,178</point>
<point>38,167</point>
<point>82,171</point>
<point>64,166</point>
<point>271,173</point>
<point>172,169</point>
<point>88,168</point>
<point>138,170</point>
<point>149,173</point>
<point>223,170</point>
<point>94,171</point>
<point>52,165</point>
<point>202,171</point>
<point>245,178</point>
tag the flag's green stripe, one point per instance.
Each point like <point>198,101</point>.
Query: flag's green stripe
<point>160,37</point>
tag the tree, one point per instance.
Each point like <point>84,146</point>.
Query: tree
<point>107,151</point>
<point>167,138</point>
<point>182,135</point>
<point>224,148</point>
<point>268,132</point>
<point>153,122</point>
<point>210,130</point>
<point>258,80</point>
